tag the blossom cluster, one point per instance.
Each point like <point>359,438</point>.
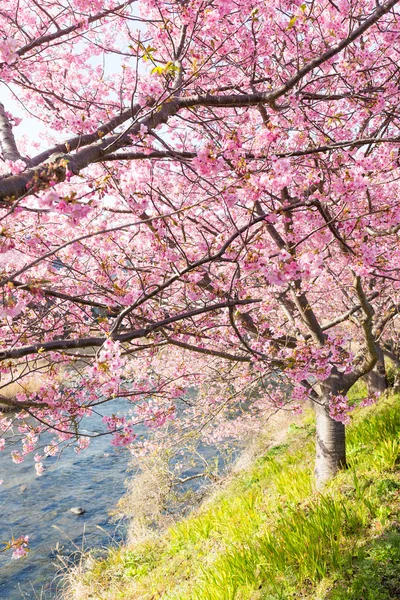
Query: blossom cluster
<point>8,47</point>
<point>19,546</point>
<point>122,428</point>
<point>339,408</point>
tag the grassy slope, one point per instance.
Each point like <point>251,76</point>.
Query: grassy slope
<point>268,535</point>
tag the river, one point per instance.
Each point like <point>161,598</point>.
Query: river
<point>40,507</point>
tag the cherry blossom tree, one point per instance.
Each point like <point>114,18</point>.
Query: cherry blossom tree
<point>211,202</point>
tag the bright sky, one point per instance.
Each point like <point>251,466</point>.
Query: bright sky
<point>31,127</point>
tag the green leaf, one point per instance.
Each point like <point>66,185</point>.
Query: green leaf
<point>157,70</point>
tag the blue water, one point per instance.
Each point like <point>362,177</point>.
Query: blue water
<point>40,507</point>
<point>92,479</point>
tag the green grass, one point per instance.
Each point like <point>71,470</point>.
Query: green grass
<point>268,535</point>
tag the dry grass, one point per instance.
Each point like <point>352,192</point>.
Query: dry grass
<point>26,377</point>
<point>19,383</point>
<point>146,499</point>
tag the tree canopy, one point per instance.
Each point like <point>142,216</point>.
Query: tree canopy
<point>210,200</point>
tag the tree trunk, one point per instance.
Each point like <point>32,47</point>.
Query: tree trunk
<point>376,379</point>
<point>330,444</point>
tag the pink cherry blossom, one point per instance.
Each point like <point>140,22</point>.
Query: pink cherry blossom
<point>199,214</point>
<point>8,47</point>
<point>20,547</point>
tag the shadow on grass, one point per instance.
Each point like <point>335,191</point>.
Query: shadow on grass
<point>375,574</point>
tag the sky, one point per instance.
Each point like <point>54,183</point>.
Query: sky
<point>31,127</point>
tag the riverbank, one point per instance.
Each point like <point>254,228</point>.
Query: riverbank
<point>267,535</point>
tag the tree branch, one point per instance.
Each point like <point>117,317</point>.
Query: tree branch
<point>347,314</point>
<point>56,345</point>
<point>14,187</point>
<point>206,351</point>
<point>7,141</point>
<point>367,325</point>
<point>160,154</point>
<point>45,39</point>
<point>111,311</point>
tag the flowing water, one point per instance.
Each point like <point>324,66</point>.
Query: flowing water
<point>40,507</point>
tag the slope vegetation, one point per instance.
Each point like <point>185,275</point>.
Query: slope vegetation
<point>268,535</point>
